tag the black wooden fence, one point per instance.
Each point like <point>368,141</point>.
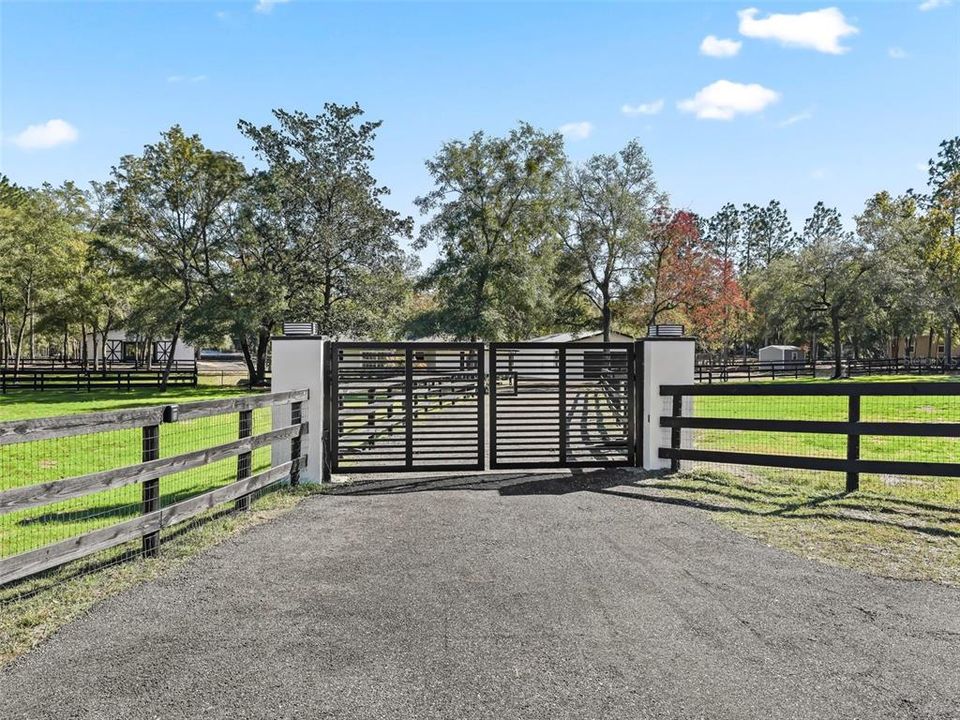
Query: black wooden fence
<point>852,427</point>
<point>78,378</point>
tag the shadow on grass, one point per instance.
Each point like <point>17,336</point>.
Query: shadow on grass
<point>33,584</point>
<point>702,492</point>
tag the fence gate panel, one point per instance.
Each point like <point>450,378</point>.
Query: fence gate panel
<point>406,406</point>
<point>562,405</point>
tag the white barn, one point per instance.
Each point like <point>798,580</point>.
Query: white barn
<point>122,346</point>
<point>781,354</point>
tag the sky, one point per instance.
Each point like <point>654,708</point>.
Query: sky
<point>733,102</point>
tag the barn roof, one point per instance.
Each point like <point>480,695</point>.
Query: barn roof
<point>781,347</point>
<point>573,336</point>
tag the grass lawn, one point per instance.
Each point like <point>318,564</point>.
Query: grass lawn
<point>46,460</point>
<point>810,515</point>
<point>33,609</point>
<point>898,526</point>
<point>918,409</point>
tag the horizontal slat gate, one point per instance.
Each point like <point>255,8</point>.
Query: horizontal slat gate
<point>406,406</point>
<point>562,404</point>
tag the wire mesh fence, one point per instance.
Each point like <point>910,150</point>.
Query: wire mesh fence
<point>119,481</point>
<point>903,438</point>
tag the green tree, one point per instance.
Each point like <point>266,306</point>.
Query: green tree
<point>318,242</point>
<point>613,198</point>
<point>496,205</point>
<point>174,214</point>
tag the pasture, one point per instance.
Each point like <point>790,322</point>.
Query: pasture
<point>45,460</point>
<point>913,409</point>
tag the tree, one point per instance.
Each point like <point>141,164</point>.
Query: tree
<point>722,233</point>
<point>823,223</point>
<point>317,241</point>
<point>676,276</point>
<point>497,203</point>
<point>613,198</point>
<point>767,235</point>
<point>37,248</point>
<point>174,213</point>
<point>830,277</point>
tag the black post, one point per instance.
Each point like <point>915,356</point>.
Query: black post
<point>562,401</point>
<point>853,443</point>
<point>150,543</point>
<point>296,417</point>
<point>638,347</point>
<point>408,407</point>
<point>244,460</point>
<point>675,432</point>
<point>492,371</point>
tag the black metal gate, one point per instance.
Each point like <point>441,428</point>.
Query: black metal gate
<point>562,405</point>
<point>406,406</point>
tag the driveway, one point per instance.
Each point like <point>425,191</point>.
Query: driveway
<point>511,597</point>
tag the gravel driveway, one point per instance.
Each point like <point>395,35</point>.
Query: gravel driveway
<point>501,598</point>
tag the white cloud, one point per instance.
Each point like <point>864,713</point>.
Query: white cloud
<point>818,174</point>
<point>723,100</point>
<point>932,4</point>
<point>922,167</point>
<point>794,119</point>
<point>897,53</point>
<point>186,78</point>
<point>266,6</point>
<point>49,134</point>
<point>576,130</point>
<point>650,108</point>
<point>721,48</point>
<point>819,30</point>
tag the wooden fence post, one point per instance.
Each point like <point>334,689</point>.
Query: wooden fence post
<point>150,543</point>
<point>296,418</point>
<point>853,442</point>
<point>244,460</point>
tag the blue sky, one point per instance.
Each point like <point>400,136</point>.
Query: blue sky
<point>815,103</point>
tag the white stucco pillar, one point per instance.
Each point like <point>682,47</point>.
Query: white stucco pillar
<point>666,361</point>
<point>298,364</point>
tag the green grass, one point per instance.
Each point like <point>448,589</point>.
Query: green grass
<point>809,514</point>
<point>45,460</point>
<point>34,609</point>
<point>917,409</point>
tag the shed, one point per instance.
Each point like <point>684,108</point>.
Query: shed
<point>781,354</point>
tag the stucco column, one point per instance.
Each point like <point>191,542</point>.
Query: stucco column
<point>666,361</point>
<point>298,364</point>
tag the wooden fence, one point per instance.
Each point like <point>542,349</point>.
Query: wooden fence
<point>711,372</point>
<point>898,366</point>
<point>148,473</point>
<point>852,427</point>
<point>119,378</point>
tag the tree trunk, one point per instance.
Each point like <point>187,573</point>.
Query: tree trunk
<point>948,341</point>
<point>248,359</point>
<point>837,347</point>
<point>606,319</point>
<point>263,343</point>
<point>930,344</point>
<point>173,349</point>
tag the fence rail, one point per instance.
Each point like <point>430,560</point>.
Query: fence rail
<point>120,378</point>
<point>852,428</point>
<point>708,372</point>
<point>897,366</point>
<point>148,474</point>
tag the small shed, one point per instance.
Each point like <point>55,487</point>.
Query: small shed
<point>781,354</point>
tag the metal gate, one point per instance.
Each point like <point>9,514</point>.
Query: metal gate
<point>562,405</point>
<point>406,406</point>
